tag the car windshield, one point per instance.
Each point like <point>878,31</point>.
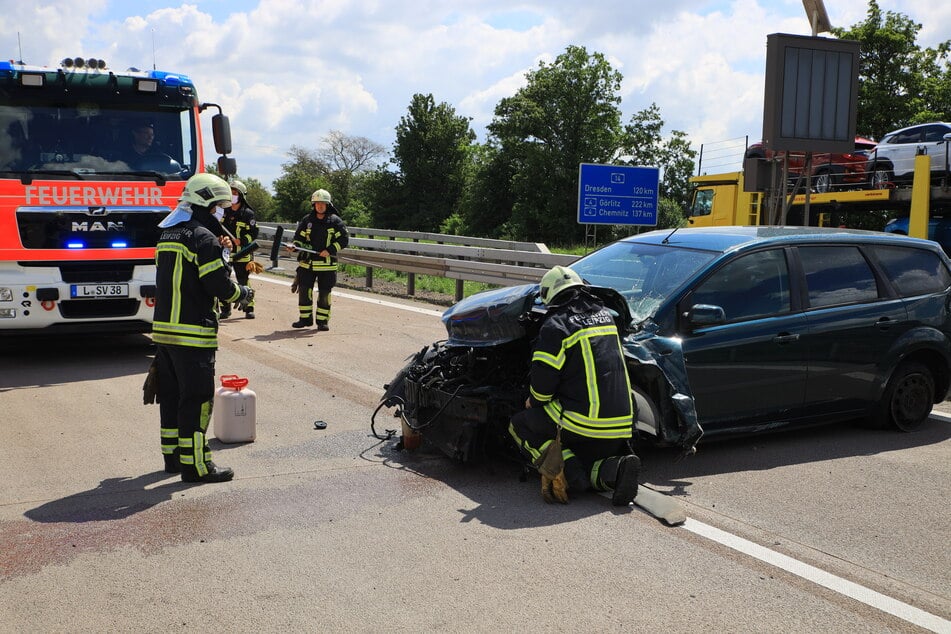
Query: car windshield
<point>644,274</point>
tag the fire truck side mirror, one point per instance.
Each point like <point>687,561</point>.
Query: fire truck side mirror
<point>227,166</point>
<point>221,131</point>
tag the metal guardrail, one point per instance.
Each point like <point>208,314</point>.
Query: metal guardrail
<point>462,258</point>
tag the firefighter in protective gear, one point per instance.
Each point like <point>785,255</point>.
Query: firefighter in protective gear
<point>319,237</point>
<point>579,414</point>
<point>191,274</point>
<point>239,220</point>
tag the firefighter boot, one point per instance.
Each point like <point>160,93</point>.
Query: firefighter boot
<point>171,463</point>
<point>215,474</point>
<point>624,482</point>
<point>619,473</point>
<point>303,323</point>
<point>323,325</point>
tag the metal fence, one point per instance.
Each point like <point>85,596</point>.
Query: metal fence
<point>462,258</point>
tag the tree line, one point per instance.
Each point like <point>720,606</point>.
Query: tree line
<point>521,183</point>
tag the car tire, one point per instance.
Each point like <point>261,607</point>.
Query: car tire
<point>824,182</point>
<point>908,398</point>
<point>881,177</point>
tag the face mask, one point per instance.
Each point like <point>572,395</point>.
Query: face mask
<point>218,213</point>
<point>234,200</point>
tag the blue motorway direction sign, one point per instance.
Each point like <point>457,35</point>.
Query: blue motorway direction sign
<point>617,195</point>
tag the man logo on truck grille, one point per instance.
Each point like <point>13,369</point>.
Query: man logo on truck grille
<point>98,226</point>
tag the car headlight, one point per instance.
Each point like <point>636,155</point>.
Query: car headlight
<point>6,294</point>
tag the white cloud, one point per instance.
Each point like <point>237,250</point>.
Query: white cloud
<point>287,72</point>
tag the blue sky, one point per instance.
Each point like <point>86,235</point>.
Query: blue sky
<point>288,72</point>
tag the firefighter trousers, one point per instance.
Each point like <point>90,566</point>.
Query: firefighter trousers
<point>590,463</point>
<point>325,281</point>
<point>186,389</point>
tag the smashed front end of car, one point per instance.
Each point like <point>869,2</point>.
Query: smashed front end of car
<point>459,394</point>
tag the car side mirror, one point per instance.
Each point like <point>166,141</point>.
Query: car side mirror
<point>705,315</point>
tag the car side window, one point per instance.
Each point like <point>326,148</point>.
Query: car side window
<point>754,285</point>
<point>913,271</point>
<point>909,136</point>
<point>934,133</point>
<point>837,275</point>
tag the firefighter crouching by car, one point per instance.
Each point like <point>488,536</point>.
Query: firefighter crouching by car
<point>579,414</point>
<point>190,275</point>
<point>239,220</point>
<point>320,235</point>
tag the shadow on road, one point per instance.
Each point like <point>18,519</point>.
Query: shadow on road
<point>32,361</point>
<point>507,496</point>
<point>770,451</point>
<point>504,494</point>
<point>113,499</point>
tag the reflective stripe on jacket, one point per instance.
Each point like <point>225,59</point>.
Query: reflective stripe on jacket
<point>190,275</point>
<point>578,372</point>
<point>314,234</point>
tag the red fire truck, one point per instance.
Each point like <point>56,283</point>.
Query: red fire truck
<point>91,160</point>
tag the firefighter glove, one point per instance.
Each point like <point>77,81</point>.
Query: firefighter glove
<point>555,489</point>
<point>150,387</point>
<point>296,281</point>
<point>551,465</point>
<point>254,267</point>
<point>245,299</point>
<point>550,461</point>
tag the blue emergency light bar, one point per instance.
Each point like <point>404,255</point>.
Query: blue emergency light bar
<point>115,244</point>
<point>169,79</point>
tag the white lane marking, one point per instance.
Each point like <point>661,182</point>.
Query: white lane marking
<point>865,595</point>
<point>369,300</point>
<point>944,418</point>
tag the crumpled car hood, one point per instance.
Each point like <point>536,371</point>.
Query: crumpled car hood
<point>489,318</point>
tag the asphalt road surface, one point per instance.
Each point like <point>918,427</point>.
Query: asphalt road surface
<point>837,529</point>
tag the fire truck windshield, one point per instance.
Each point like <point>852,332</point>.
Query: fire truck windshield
<point>87,140</point>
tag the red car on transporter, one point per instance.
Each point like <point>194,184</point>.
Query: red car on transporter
<point>829,171</point>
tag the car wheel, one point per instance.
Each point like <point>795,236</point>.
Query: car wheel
<point>881,177</point>
<point>824,182</point>
<point>908,399</point>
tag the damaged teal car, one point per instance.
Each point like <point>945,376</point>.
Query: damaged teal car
<point>727,331</point>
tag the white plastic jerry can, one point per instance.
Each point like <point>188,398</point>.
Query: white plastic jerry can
<point>234,410</point>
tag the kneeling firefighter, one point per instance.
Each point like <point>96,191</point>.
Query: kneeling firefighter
<point>191,274</point>
<point>579,415</point>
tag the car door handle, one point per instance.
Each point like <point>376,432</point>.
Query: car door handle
<point>884,323</point>
<point>785,337</point>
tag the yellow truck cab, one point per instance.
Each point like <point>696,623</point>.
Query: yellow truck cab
<point>719,200</point>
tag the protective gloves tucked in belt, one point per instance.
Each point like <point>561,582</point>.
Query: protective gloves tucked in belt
<point>296,281</point>
<point>555,489</point>
<point>254,267</point>
<point>551,465</point>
